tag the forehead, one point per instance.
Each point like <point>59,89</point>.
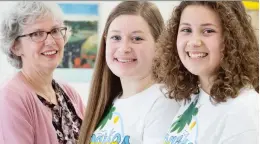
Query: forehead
<point>198,14</point>
<point>45,23</point>
<point>129,23</point>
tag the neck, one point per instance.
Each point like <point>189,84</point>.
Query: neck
<point>206,83</point>
<point>132,86</point>
<point>40,82</point>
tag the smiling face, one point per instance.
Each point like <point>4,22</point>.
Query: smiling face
<point>129,47</point>
<point>45,55</point>
<point>199,40</point>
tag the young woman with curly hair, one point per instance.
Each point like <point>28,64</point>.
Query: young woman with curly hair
<point>207,57</point>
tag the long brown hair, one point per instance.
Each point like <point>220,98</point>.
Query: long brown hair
<point>238,68</point>
<point>105,85</point>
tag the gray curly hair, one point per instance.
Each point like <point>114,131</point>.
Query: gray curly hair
<point>16,18</point>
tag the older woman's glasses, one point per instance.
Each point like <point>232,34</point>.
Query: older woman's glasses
<point>39,36</point>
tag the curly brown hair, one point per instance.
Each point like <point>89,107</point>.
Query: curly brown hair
<point>238,68</point>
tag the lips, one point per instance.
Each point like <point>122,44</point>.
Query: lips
<point>197,54</point>
<point>124,60</point>
<point>48,53</point>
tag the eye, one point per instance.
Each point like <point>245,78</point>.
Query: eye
<point>137,38</point>
<point>37,34</point>
<point>186,30</point>
<point>208,31</point>
<point>116,38</point>
<point>55,31</point>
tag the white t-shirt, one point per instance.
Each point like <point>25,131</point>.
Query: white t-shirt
<point>231,122</point>
<point>140,119</point>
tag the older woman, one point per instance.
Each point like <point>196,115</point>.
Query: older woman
<point>34,108</point>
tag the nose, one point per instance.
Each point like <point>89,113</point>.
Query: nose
<point>49,40</point>
<point>125,47</point>
<point>194,43</point>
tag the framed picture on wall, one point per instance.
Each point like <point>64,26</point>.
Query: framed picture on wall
<point>81,49</point>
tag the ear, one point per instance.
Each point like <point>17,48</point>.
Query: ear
<point>16,49</point>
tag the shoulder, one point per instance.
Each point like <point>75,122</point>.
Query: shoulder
<point>14,90</point>
<point>247,100</point>
<point>245,107</point>
<point>159,117</point>
<point>242,114</point>
<point>161,104</point>
<point>16,99</point>
<point>162,97</point>
<point>154,92</point>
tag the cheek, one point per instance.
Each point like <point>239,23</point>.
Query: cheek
<point>216,50</point>
<point>181,43</point>
<point>61,44</point>
<point>109,50</point>
<point>147,56</point>
<point>35,49</point>
<point>145,51</point>
<point>218,57</point>
<point>28,49</point>
<point>150,51</point>
<point>109,53</point>
<point>216,54</point>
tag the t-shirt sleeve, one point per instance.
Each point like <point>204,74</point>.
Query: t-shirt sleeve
<point>158,120</point>
<point>247,137</point>
<point>241,126</point>
<point>15,120</point>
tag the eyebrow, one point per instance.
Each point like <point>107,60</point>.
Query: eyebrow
<point>117,31</point>
<point>134,32</point>
<point>138,31</point>
<point>205,24</point>
<point>40,29</point>
<point>187,24</point>
<point>209,24</point>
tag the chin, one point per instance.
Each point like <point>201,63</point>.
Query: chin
<point>123,74</point>
<point>194,71</point>
<point>51,66</point>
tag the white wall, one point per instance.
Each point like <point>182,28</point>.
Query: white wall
<point>6,71</point>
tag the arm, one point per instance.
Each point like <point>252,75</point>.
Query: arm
<point>15,122</point>
<point>158,120</point>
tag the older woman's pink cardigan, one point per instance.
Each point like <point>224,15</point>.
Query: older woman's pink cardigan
<point>23,117</point>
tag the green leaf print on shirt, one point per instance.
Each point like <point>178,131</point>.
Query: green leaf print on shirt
<point>107,117</point>
<point>185,118</point>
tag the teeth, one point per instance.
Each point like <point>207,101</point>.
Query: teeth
<point>125,61</point>
<point>197,55</point>
<point>50,53</point>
